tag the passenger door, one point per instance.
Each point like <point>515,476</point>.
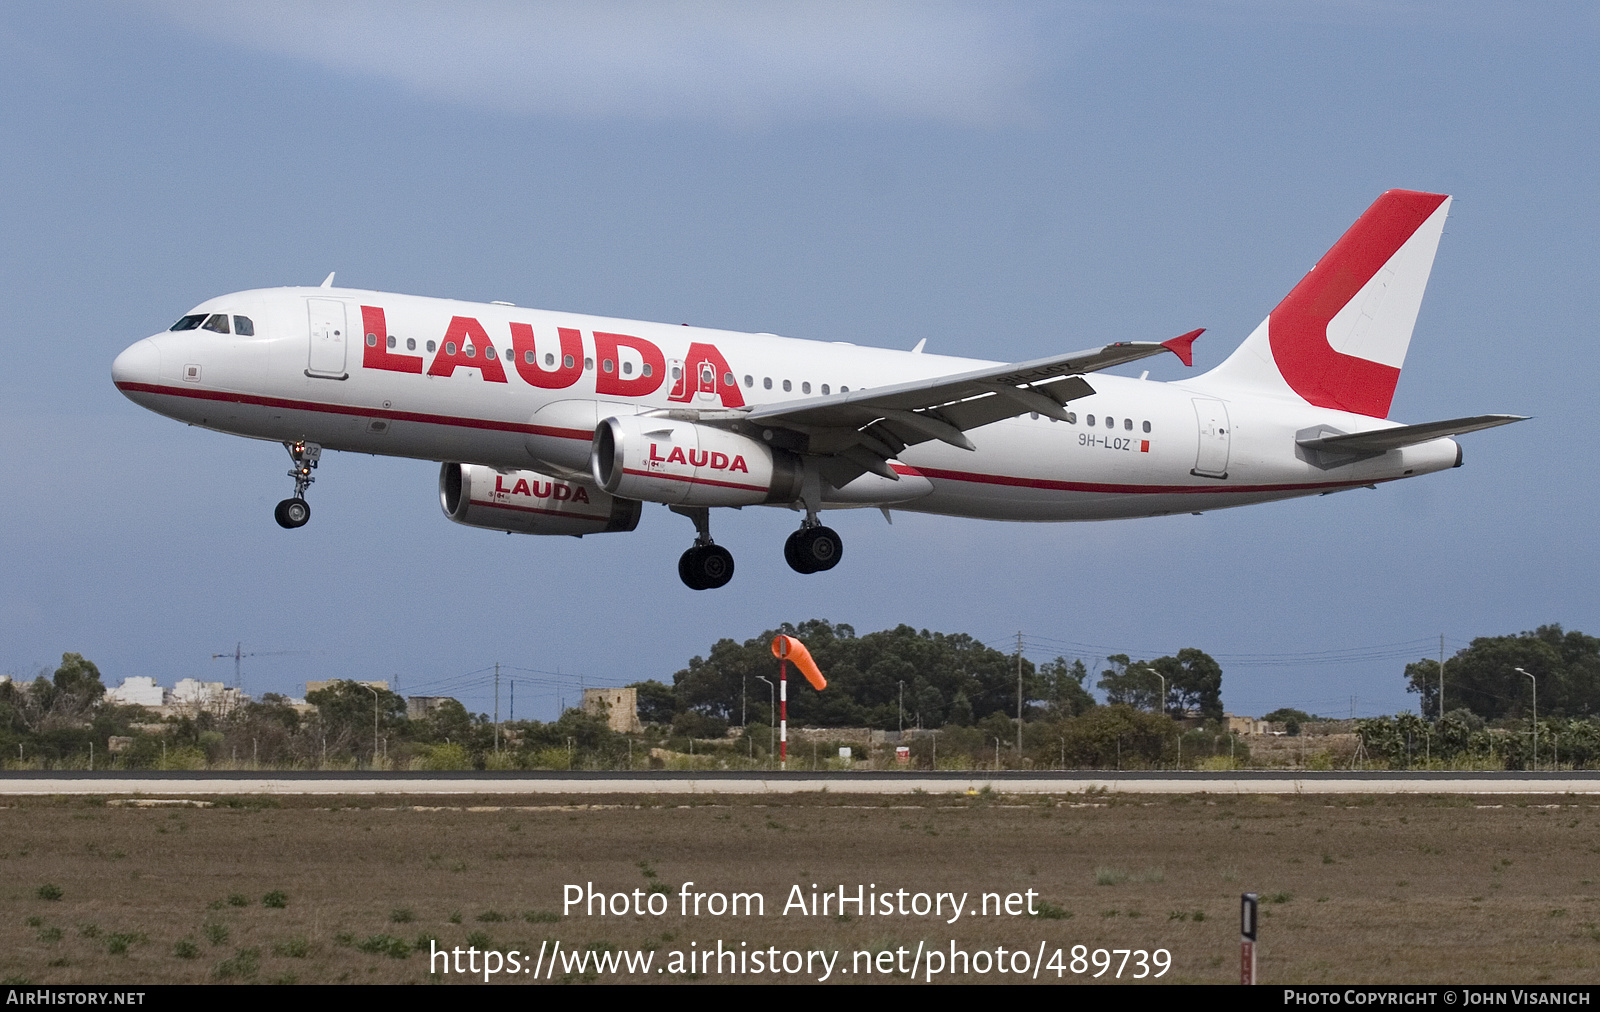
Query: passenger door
<point>329,335</point>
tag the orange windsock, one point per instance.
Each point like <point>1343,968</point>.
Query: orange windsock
<point>790,649</point>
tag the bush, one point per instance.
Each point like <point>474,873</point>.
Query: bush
<point>401,915</point>
<point>49,891</point>
<point>298,947</point>
<point>447,756</point>
<point>185,948</point>
<point>216,934</point>
<point>238,900</point>
<point>387,945</point>
<point>275,900</point>
<point>244,965</point>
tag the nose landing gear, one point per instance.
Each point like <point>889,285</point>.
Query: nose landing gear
<point>295,511</point>
<point>705,566</point>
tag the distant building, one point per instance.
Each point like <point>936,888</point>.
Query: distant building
<point>419,707</point>
<point>190,697</point>
<point>620,707</point>
<point>138,691</point>
<point>330,683</point>
<point>1246,725</point>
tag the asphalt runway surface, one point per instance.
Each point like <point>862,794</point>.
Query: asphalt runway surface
<point>242,782</point>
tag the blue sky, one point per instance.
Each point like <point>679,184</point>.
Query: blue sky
<point>1005,181</point>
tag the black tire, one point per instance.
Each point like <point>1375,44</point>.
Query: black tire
<point>292,513</point>
<point>823,549</point>
<point>706,567</point>
<point>794,552</point>
<point>715,566</point>
<point>688,569</point>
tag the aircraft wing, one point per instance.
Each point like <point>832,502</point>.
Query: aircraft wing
<point>1384,440</point>
<point>871,426</point>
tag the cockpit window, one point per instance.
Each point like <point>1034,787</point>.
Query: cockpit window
<point>189,322</point>
<point>218,323</point>
<point>243,327</point>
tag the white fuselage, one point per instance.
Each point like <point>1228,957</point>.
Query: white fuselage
<point>317,369</point>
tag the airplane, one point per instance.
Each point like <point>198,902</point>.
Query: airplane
<point>556,423</point>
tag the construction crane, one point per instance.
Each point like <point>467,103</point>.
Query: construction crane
<point>238,655</point>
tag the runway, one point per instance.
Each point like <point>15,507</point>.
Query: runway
<point>235,782</point>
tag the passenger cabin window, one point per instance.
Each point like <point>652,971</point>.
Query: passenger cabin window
<point>432,345</point>
<point>1127,423</point>
<point>1088,420</point>
<point>1111,423</point>
<point>1147,426</point>
<point>787,386</point>
<point>218,323</point>
<point>1072,418</point>
<point>243,327</point>
<point>805,388</point>
<point>189,322</point>
<point>766,383</point>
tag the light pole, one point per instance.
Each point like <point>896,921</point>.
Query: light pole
<point>1535,732</point>
<point>1161,704</point>
<point>772,707</point>
<point>374,724</point>
<point>902,708</point>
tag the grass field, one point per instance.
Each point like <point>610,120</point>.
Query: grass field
<point>1387,889</point>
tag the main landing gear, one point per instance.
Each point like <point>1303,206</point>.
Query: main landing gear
<point>705,566</point>
<point>295,511</point>
<point>813,548</point>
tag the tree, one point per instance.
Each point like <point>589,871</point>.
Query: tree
<point>1063,689</point>
<point>1290,718</point>
<point>1483,678</point>
<point>657,702</point>
<point>864,673</point>
<point>1194,682</point>
<point>345,711</point>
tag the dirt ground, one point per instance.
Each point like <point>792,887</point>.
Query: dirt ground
<point>308,890</point>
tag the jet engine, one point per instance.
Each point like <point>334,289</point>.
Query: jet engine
<point>526,502</point>
<point>685,463</point>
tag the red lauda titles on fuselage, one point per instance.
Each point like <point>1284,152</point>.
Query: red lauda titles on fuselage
<point>714,459</point>
<point>559,491</point>
<point>466,344</point>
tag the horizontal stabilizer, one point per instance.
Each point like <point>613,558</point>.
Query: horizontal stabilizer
<point>1383,440</point>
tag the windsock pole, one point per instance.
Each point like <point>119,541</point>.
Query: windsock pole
<point>783,713</point>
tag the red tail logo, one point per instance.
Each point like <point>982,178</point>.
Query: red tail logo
<point>1298,328</point>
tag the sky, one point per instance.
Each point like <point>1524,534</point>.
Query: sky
<point>1006,181</point>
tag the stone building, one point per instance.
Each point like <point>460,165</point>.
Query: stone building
<point>620,707</point>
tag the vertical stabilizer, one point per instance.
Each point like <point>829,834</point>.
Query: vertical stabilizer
<point>1339,338</point>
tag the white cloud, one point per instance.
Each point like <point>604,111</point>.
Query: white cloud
<point>741,63</point>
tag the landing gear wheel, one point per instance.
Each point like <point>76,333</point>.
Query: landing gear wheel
<point>292,513</point>
<point>813,549</point>
<point>706,567</point>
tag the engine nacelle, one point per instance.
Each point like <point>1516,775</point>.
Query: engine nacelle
<point>685,463</point>
<point>526,502</point>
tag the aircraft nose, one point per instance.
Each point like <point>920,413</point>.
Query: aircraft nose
<point>139,365</point>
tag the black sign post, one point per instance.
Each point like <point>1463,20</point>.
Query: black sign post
<point>1247,938</point>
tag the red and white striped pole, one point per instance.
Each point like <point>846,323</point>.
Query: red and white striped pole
<point>783,713</point>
